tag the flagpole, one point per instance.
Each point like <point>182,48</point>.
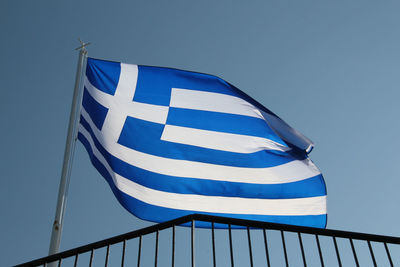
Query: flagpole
<point>68,154</point>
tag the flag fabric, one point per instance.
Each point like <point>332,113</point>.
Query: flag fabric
<point>171,143</point>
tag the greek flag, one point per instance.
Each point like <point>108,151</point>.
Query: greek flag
<point>171,143</point>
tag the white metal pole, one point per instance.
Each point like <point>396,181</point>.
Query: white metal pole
<point>68,156</point>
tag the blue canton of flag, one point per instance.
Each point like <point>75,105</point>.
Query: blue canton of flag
<point>172,143</point>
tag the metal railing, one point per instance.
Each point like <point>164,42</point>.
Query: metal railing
<point>240,243</point>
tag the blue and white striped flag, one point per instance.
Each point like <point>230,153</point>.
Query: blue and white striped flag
<point>172,143</point>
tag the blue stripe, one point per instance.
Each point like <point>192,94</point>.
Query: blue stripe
<point>222,122</point>
<point>144,136</point>
<point>310,187</point>
<point>96,111</point>
<point>159,214</point>
<point>104,75</point>
<point>154,84</point>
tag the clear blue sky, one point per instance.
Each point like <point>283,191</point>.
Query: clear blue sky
<point>331,69</point>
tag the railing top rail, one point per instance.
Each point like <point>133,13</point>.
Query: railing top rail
<point>296,229</point>
<point>215,219</point>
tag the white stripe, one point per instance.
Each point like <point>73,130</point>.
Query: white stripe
<point>290,172</point>
<point>221,141</point>
<point>208,101</point>
<point>143,111</point>
<point>127,82</point>
<point>214,204</point>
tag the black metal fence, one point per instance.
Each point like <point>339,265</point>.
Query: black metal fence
<point>241,243</point>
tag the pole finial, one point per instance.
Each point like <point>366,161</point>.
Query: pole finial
<point>82,46</point>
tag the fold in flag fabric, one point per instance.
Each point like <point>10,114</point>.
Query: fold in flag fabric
<point>171,143</point>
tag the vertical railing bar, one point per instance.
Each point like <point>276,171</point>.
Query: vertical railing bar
<point>230,244</point>
<point>284,248</point>
<point>76,260</point>
<point>59,262</point>
<point>250,252</point>
<point>372,253</point>
<point>337,251</point>
<point>192,243</point>
<point>173,246</point>
<point>302,249</point>
<point>139,251</point>
<point>213,243</point>
<point>156,253</point>
<point>107,253</point>
<point>354,252</point>
<point>388,254</point>
<point>319,251</point>
<point>91,257</point>
<point>266,247</point>
<point>123,253</point>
